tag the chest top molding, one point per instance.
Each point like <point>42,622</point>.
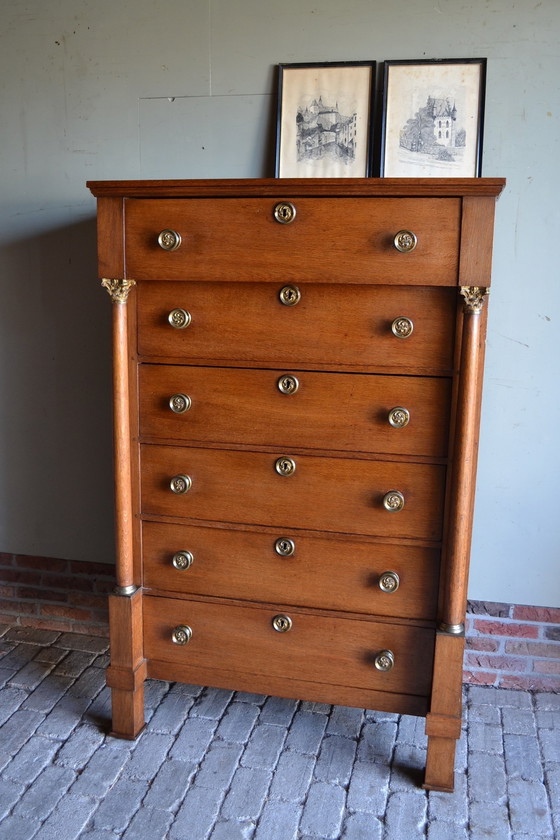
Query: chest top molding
<point>293,187</point>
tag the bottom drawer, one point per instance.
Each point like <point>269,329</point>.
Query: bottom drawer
<point>318,648</point>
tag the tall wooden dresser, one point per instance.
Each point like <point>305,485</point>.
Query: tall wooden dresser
<point>297,381</point>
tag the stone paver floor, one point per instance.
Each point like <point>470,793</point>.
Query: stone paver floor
<point>219,765</point>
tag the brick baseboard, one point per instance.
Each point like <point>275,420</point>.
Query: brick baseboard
<point>512,646</point>
<point>508,645</point>
<point>51,594</point>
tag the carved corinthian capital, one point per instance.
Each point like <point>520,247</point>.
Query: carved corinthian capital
<point>473,297</point>
<point>118,289</point>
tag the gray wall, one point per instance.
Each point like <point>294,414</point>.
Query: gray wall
<point>185,88</point>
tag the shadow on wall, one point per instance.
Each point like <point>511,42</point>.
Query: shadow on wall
<point>56,490</point>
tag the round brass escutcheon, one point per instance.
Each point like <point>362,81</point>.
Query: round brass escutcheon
<point>285,212</point>
<point>181,635</point>
<point>182,560</point>
<point>389,582</point>
<point>402,327</point>
<point>169,240</point>
<point>399,417</point>
<point>179,403</point>
<point>405,241</point>
<point>285,466</point>
<point>282,623</point>
<point>385,660</point>
<point>179,318</point>
<point>289,295</point>
<point>393,501</point>
<point>180,484</point>
<point>285,547</point>
<point>288,384</point>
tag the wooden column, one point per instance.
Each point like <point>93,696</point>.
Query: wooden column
<point>119,289</point>
<point>465,452</point>
<point>127,671</point>
<point>443,722</point>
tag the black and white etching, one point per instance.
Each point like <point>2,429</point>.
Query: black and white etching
<point>435,131</point>
<point>325,131</point>
<point>433,118</point>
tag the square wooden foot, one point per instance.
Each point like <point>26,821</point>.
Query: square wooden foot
<point>128,713</point>
<point>440,764</point>
<point>127,671</point>
<point>443,722</point>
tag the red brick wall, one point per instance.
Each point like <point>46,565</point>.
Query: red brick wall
<point>513,646</point>
<point>55,594</point>
<point>508,645</point>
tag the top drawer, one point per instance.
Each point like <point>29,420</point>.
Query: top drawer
<point>332,240</point>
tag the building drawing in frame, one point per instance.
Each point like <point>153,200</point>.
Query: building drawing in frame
<point>323,132</point>
<point>434,130</point>
<point>324,120</point>
<point>433,118</point>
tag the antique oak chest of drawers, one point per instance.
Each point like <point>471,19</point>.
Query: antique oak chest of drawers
<point>297,378</point>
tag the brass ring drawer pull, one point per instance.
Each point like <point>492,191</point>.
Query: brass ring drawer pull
<point>393,501</point>
<point>285,466</point>
<point>389,582</point>
<point>284,212</point>
<point>182,560</point>
<point>288,384</point>
<point>282,623</point>
<point>179,318</point>
<point>180,484</point>
<point>181,635</point>
<point>399,417</point>
<point>289,295</point>
<point>169,240</point>
<point>285,547</point>
<point>385,660</point>
<point>405,241</point>
<point>179,403</point>
<point>402,327</point>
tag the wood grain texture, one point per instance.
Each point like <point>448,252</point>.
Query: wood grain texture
<point>110,239</point>
<point>239,240</point>
<point>328,411</point>
<point>319,649</point>
<point>288,686</point>
<point>327,494</point>
<point>443,723</point>
<point>325,573</point>
<point>122,449</point>
<point>127,671</point>
<point>440,765</point>
<point>463,472</point>
<point>330,325</point>
<point>286,187</point>
<point>477,234</point>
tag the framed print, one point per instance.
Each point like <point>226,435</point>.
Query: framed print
<point>324,120</point>
<point>433,115</point>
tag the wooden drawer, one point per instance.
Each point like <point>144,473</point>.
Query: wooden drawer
<point>327,411</point>
<point>319,648</point>
<point>327,494</point>
<point>325,573</point>
<point>338,241</point>
<point>331,325</point>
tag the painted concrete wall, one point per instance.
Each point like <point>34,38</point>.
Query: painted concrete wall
<point>94,89</point>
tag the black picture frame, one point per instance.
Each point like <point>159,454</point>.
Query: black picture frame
<point>433,118</point>
<point>325,119</point>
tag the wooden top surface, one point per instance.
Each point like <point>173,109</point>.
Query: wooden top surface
<point>291,187</point>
